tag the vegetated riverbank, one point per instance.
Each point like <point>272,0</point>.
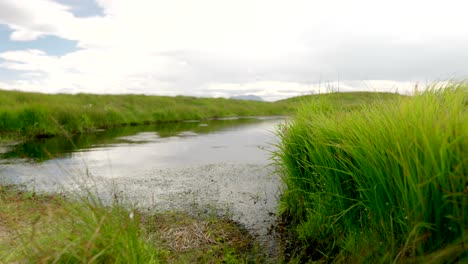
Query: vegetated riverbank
<point>35,114</point>
<point>37,228</point>
<point>63,232</point>
<point>378,183</point>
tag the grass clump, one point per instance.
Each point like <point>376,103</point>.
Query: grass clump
<point>379,182</point>
<point>202,238</point>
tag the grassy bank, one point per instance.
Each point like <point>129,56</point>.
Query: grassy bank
<point>51,229</point>
<point>378,183</point>
<point>35,114</point>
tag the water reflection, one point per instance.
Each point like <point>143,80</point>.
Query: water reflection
<point>62,147</point>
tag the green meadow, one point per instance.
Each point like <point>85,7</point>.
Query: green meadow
<point>380,182</point>
<point>35,114</point>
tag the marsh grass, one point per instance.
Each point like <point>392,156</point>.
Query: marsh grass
<point>36,115</point>
<point>39,228</point>
<point>378,182</point>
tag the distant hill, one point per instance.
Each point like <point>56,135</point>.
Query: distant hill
<point>249,97</point>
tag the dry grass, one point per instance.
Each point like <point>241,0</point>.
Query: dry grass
<point>4,232</point>
<point>182,232</point>
<point>188,237</point>
<point>201,238</point>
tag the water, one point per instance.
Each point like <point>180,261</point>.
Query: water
<point>219,165</point>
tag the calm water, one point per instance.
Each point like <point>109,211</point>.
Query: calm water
<point>220,165</point>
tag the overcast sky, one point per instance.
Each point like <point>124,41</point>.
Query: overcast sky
<point>273,49</point>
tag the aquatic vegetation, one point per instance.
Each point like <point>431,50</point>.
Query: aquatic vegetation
<point>378,182</point>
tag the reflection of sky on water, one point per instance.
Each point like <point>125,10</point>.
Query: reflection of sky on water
<point>247,144</point>
<point>125,156</point>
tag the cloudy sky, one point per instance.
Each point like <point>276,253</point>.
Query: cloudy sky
<point>270,48</point>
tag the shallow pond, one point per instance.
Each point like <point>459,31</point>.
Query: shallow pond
<point>219,165</point>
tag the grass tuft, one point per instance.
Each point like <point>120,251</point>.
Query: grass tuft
<point>383,181</point>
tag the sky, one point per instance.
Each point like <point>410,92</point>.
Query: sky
<point>219,48</point>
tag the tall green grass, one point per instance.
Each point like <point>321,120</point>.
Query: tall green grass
<point>381,182</point>
<point>35,114</point>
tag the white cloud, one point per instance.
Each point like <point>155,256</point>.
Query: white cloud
<point>213,47</point>
<point>32,19</point>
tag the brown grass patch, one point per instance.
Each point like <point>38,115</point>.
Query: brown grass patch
<point>191,238</point>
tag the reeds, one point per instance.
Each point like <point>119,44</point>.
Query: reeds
<point>381,181</point>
